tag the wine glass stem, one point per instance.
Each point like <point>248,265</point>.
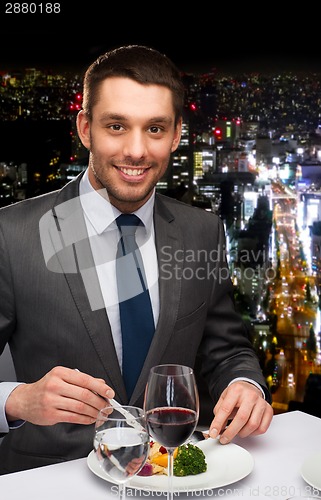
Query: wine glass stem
<point>170,492</point>
<point>121,491</point>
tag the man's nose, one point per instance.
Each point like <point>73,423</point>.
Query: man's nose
<point>135,145</point>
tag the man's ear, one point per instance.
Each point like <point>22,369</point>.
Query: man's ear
<point>177,135</point>
<point>83,128</point>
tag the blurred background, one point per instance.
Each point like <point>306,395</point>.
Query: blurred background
<point>250,150</point>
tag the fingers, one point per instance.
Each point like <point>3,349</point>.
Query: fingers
<point>95,385</point>
<point>80,393</point>
<point>248,412</point>
<point>62,395</point>
<point>223,411</point>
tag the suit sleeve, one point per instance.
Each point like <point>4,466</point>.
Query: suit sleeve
<point>7,322</point>
<point>226,351</point>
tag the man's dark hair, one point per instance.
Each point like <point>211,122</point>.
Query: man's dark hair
<point>137,62</point>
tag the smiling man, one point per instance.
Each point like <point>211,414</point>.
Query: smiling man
<point>61,304</point>
<point>130,133</point>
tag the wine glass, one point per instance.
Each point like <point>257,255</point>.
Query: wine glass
<point>171,405</point>
<point>121,443</point>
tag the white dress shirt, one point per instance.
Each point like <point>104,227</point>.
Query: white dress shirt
<point>100,217</point>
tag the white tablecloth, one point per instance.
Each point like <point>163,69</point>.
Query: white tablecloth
<point>278,457</point>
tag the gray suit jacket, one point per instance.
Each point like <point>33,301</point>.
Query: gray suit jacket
<point>46,318</point>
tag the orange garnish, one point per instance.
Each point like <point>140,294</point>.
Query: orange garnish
<point>162,459</point>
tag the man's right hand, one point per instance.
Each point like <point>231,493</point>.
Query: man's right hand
<point>62,395</point>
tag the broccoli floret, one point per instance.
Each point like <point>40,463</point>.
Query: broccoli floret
<point>190,460</point>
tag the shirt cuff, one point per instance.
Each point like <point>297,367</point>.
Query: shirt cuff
<point>244,379</point>
<point>5,390</point>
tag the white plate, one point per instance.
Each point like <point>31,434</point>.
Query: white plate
<point>226,464</point>
<point>311,470</point>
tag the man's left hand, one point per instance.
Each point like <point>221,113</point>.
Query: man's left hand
<point>243,405</point>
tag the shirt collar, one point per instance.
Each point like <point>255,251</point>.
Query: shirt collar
<point>102,214</point>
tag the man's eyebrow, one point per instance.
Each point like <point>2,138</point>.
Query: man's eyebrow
<point>112,116</point>
<point>118,117</point>
<point>161,119</point>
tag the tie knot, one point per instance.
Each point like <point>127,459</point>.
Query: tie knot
<point>128,220</point>
<point>128,223</point>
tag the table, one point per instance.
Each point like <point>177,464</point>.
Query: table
<point>278,456</point>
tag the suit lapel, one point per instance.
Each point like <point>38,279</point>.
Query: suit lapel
<point>72,253</point>
<point>67,213</point>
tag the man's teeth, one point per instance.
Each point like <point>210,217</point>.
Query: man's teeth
<point>132,171</point>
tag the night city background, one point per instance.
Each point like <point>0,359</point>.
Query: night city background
<point>250,150</point>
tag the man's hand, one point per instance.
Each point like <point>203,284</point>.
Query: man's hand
<point>244,405</point>
<point>62,395</point>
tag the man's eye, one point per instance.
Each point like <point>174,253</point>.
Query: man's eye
<point>116,127</point>
<point>155,130</point>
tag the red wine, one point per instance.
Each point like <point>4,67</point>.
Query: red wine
<point>171,426</point>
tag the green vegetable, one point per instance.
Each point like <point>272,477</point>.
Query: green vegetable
<point>190,460</point>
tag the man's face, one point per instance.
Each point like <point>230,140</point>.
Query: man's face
<point>130,138</point>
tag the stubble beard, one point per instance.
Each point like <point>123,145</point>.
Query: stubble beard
<point>122,195</point>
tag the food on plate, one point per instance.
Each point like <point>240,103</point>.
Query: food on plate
<point>188,460</point>
<point>147,470</point>
<point>157,460</point>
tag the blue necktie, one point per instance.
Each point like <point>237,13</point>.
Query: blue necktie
<point>136,315</point>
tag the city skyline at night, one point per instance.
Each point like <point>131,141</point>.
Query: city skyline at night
<point>280,116</point>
